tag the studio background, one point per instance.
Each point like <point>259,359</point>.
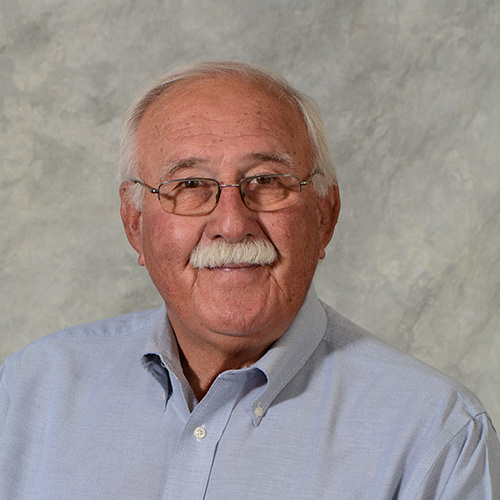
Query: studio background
<point>410,96</point>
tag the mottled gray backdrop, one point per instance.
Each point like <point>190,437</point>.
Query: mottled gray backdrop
<point>411,99</point>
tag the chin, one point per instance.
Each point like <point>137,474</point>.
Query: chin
<point>235,321</point>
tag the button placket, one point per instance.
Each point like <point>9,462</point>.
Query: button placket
<point>195,452</point>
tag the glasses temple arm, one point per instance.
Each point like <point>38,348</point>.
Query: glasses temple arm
<point>149,188</point>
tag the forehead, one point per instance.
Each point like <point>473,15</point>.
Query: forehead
<point>225,109</point>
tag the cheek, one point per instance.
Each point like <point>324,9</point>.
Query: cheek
<point>166,255</point>
<point>168,241</point>
<point>299,233</point>
<point>296,238</point>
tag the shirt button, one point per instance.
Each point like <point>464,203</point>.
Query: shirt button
<point>199,433</point>
<point>258,411</point>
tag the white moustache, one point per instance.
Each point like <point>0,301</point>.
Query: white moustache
<point>220,253</point>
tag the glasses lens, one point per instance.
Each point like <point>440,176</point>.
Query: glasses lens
<point>193,196</point>
<point>270,192</point>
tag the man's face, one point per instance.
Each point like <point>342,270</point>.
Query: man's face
<point>226,129</point>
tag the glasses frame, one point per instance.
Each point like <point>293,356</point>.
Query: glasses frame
<point>156,191</point>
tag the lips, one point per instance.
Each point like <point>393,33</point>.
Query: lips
<point>236,265</point>
<point>231,266</point>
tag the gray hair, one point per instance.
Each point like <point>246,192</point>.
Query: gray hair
<point>129,164</point>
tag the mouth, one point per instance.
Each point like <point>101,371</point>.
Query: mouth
<point>237,265</point>
<point>233,266</point>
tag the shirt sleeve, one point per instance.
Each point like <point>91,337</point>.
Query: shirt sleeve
<point>6,464</point>
<point>4,397</point>
<point>469,466</point>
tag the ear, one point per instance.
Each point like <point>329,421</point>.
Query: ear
<point>132,221</point>
<point>328,213</point>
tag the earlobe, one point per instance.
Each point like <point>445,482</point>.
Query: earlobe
<point>132,222</point>
<point>328,208</point>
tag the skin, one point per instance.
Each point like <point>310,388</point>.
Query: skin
<point>220,127</point>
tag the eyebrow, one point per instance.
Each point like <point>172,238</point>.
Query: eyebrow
<point>262,157</point>
<point>281,158</point>
<point>167,168</point>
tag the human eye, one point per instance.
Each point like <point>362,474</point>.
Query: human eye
<point>186,187</point>
<point>188,196</point>
<point>191,183</point>
<point>263,180</point>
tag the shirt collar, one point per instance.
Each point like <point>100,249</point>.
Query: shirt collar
<point>280,363</point>
<point>290,352</point>
<point>161,357</point>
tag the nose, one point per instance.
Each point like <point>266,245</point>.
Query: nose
<point>222,186</point>
<point>231,219</point>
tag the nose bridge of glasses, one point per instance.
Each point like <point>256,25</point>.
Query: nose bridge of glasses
<point>221,186</point>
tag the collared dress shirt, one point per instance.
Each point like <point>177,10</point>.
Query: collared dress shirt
<point>103,411</point>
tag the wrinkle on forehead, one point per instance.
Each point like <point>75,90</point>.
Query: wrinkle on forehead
<point>190,114</point>
<point>251,160</point>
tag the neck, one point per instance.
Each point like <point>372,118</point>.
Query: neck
<point>202,365</point>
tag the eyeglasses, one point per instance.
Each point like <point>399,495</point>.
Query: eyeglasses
<point>199,195</point>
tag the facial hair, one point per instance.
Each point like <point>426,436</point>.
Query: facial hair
<point>220,253</point>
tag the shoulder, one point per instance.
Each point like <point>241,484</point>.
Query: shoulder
<point>87,341</point>
<point>404,407</point>
<point>398,377</point>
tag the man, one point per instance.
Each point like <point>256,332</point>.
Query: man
<point>243,384</point>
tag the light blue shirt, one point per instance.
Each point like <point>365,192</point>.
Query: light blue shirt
<point>103,411</point>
